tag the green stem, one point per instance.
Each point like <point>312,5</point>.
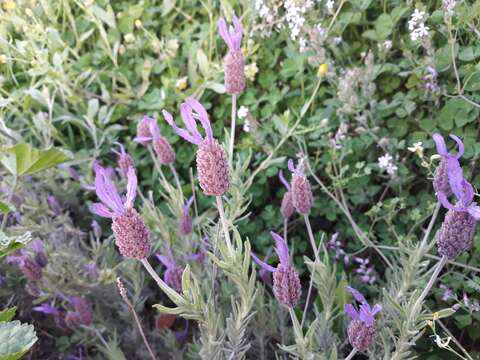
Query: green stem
<point>232,129</point>
<point>9,200</point>
<point>221,212</point>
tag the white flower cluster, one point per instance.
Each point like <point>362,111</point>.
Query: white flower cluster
<point>416,25</point>
<point>295,18</point>
<point>385,162</point>
<point>263,10</point>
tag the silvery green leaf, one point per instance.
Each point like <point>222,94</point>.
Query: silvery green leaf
<point>11,244</point>
<point>15,339</point>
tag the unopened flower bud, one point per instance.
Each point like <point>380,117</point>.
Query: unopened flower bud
<point>212,167</point>
<point>287,209</point>
<point>131,235</point>
<point>164,150</point>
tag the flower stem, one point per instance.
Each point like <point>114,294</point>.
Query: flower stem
<point>310,235</point>
<point>430,283</point>
<point>232,129</point>
<point>137,321</point>
<point>177,180</point>
<point>352,354</point>
<point>223,219</point>
<point>9,200</point>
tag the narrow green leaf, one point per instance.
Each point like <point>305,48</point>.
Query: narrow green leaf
<point>8,314</point>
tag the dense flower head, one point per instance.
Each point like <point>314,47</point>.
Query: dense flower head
<point>286,208</point>
<point>131,233</point>
<point>212,163</point>
<point>124,161</point>
<point>449,162</point>
<point>31,267</point>
<point>302,197</point>
<point>173,273</point>
<point>456,234</point>
<point>185,223</point>
<point>81,313</point>
<point>234,62</point>
<point>161,146</point>
<point>361,330</point>
<point>286,282</point>
<point>144,134</point>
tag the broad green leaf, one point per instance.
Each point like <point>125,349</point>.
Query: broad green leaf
<point>8,314</point>
<point>15,339</point>
<point>384,26</point>
<point>22,159</point>
<point>11,244</point>
<point>5,208</point>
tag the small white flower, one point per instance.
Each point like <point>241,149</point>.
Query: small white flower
<point>302,42</point>
<point>330,4</point>
<point>247,126</point>
<point>242,112</point>
<point>416,148</point>
<point>129,38</point>
<point>387,44</point>
<point>385,162</point>
<point>337,40</point>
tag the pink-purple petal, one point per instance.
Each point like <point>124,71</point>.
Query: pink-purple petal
<point>461,148</point>
<point>357,295</point>
<point>350,311</point>
<point>281,248</point>
<point>283,180</point>
<point>202,115</point>
<point>262,264</point>
<point>101,210</point>
<point>440,144</point>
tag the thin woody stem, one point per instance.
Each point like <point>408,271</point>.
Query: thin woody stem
<point>352,354</point>
<point>223,219</point>
<point>232,129</point>
<point>430,283</point>
<point>310,236</point>
<point>177,180</point>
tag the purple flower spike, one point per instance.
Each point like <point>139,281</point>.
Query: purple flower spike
<point>212,164</point>
<point>185,223</point>
<point>362,329</point>
<point>232,39</point>
<point>286,282</point>
<point>302,196</point>
<point>124,160</point>
<point>144,134</point>
<point>131,233</point>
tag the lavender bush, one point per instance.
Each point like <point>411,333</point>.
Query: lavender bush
<point>239,180</point>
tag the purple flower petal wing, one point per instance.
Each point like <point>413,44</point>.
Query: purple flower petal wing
<point>455,178</point>
<point>365,314</point>
<point>440,144</point>
<point>283,180</point>
<point>291,166</point>
<point>350,311</point>
<point>376,309</point>
<point>107,192</point>
<point>262,264</point>
<point>101,210</point>
<point>461,148</point>
<point>189,121</point>
<point>131,187</point>
<point>46,309</point>
<point>202,116</point>
<point>444,201</point>
<point>180,132</point>
<point>154,129</point>
<point>281,248</point>
<point>165,261</point>
<point>224,33</point>
<point>237,36</point>
<point>357,295</point>
<point>474,211</point>
<point>187,206</point>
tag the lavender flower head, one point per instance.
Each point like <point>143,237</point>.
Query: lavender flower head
<point>38,253</point>
<point>81,313</point>
<point>458,228</point>
<point>212,164</point>
<point>234,62</point>
<point>124,161</point>
<point>144,134</point>
<point>441,181</point>
<point>287,209</point>
<point>131,233</point>
<point>185,223</point>
<point>302,197</point>
<point>173,274</point>
<point>161,146</point>
<point>362,329</point>
<point>286,282</point>
<point>54,204</point>
<point>27,265</point>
